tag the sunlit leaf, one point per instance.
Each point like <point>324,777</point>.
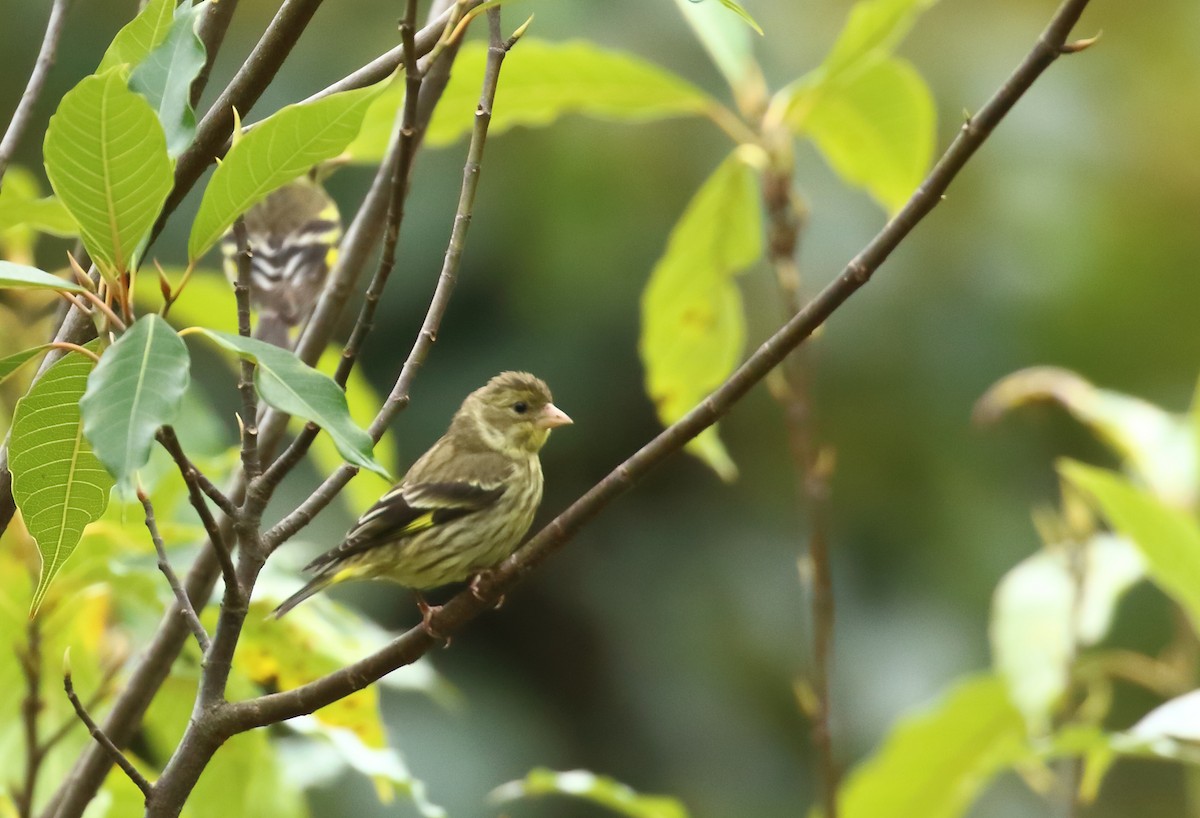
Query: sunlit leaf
<point>1157,446</point>
<point>135,390</point>
<point>19,276</point>
<point>139,36</point>
<point>282,147</point>
<point>106,157</point>
<point>58,483</point>
<point>286,383</point>
<point>165,77</point>
<point>587,786</point>
<point>1046,606</point>
<point>731,47</point>
<point>693,328</point>
<point>875,127</point>
<point>935,762</point>
<point>1178,718</point>
<point>1168,538</point>
<point>542,82</point>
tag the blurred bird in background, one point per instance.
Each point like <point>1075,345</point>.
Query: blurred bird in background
<point>463,506</point>
<point>293,237</point>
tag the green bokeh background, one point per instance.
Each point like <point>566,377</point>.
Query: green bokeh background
<point>662,644</point>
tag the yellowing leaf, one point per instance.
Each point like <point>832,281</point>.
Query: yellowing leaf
<point>693,329</point>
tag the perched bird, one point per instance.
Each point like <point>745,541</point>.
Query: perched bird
<point>462,507</point>
<point>293,236</point>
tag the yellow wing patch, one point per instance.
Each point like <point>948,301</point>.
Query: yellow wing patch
<point>419,524</point>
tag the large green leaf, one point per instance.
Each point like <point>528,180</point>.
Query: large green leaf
<point>933,763</point>
<point>106,157</point>
<point>139,36</point>
<point>1050,603</point>
<point>730,47</point>
<point>1155,445</point>
<point>289,385</point>
<point>21,277</point>
<point>1168,538</point>
<point>693,329</point>
<point>542,82</point>
<point>165,77</point>
<point>58,483</point>
<point>587,786</point>
<point>134,391</point>
<point>22,204</point>
<point>282,147</point>
<point>875,127</point>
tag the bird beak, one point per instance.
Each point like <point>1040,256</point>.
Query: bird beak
<point>552,416</point>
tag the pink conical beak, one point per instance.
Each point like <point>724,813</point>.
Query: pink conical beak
<point>551,416</point>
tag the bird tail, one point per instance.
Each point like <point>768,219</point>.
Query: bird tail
<point>316,585</point>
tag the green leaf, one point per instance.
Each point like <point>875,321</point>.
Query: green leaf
<point>287,384</point>
<point>1168,538</point>
<point>741,12</point>
<point>207,300</point>
<point>58,483</point>
<point>136,388</point>
<point>165,77</point>
<point>543,81</point>
<point>873,29</point>
<point>11,363</point>
<point>106,157</point>
<point>364,402</point>
<point>20,277</point>
<point>730,47</point>
<point>282,147</point>
<point>140,36</point>
<point>587,786</point>
<point>935,762</point>
<point>1156,446</point>
<point>1046,606</point>
<point>22,205</point>
<point>693,328</point>
<point>875,127</point>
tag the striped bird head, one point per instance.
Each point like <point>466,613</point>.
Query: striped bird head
<point>512,414</point>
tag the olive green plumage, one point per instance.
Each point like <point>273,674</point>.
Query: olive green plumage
<point>293,236</point>
<point>463,506</point>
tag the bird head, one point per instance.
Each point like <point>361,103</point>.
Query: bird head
<point>513,413</point>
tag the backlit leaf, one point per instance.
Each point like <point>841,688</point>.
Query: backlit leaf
<point>693,328</point>
<point>106,157</point>
<point>58,483</point>
<point>140,36</point>
<point>587,786</point>
<point>21,277</point>
<point>165,77</point>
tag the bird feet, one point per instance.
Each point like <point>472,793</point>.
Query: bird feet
<point>480,592</point>
<point>427,614</point>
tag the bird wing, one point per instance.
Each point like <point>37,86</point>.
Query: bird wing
<point>408,509</point>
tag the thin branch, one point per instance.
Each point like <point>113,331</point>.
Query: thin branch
<point>191,475</point>
<point>399,397</point>
<point>102,739</point>
<point>33,89</point>
<point>164,565</point>
<point>465,606</point>
<point>249,416</point>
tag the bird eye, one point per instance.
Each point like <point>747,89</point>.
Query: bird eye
<point>520,407</point>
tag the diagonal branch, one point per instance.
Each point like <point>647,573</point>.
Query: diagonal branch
<point>465,606</point>
<point>101,738</point>
<point>33,89</point>
<point>186,608</point>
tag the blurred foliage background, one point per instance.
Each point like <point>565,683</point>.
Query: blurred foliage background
<point>662,645</point>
